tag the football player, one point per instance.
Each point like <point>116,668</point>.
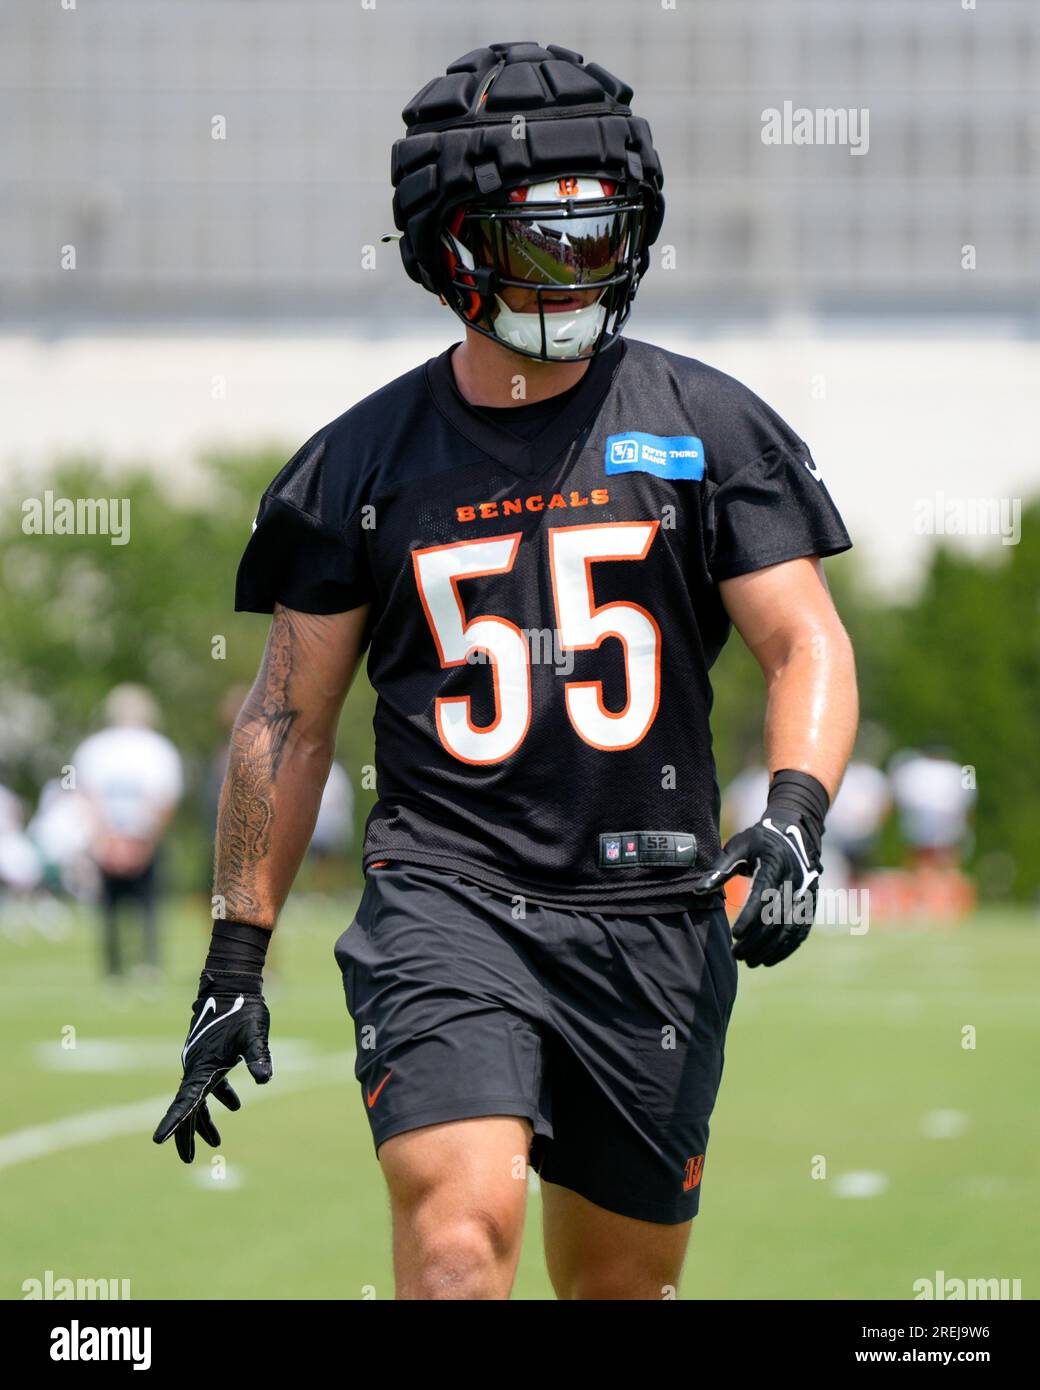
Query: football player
<point>542,536</point>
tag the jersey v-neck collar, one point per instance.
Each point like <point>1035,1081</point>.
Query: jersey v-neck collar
<point>527,457</point>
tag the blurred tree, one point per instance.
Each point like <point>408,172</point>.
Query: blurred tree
<point>962,668</point>
<point>81,614</point>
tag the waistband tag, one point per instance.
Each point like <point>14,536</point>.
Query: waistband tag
<point>630,848</point>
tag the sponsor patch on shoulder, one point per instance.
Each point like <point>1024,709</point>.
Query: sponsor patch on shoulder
<point>666,456</point>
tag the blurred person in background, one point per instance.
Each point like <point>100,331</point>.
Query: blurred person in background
<point>62,830</point>
<point>334,828</point>
<point>744,798</point>
<point>10,810</point>
<point>21,870</point>
<point>855,820</point>
<point>934,798</point>
<point>132,779</point>
<point>933,804</point>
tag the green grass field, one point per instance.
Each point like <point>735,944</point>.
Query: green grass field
<point>851,1051</point>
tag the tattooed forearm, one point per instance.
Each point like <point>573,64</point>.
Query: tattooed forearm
<point>275,714</point>
<point>281,751</point>
<point>257,745</point>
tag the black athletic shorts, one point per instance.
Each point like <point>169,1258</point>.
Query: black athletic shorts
<point>605,1031</point>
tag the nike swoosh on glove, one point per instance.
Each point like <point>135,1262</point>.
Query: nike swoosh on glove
<point>230,1023</point>
<point>781,903</point>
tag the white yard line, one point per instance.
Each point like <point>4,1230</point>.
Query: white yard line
<point>140,1116</point>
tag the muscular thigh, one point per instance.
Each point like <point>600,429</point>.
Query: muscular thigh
<point>593,1253</point>
<point>457,1194</point>
<point>459,1162</point>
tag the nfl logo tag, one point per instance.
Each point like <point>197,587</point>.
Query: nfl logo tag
<point>613,849</point>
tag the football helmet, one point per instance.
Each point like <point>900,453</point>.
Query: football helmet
<point>527,196</point>
<point>549,268</point>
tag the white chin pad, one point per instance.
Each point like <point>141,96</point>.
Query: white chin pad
<point>568,333</point>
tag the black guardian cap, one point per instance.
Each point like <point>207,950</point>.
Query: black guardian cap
<point>517,117</point>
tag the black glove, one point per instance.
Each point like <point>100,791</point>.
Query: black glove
<point>230,1023</point>
<point>782,856</point>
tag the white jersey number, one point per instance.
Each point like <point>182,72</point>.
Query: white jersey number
<point>581,626</point>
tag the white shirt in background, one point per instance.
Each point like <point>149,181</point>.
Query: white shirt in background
<point>860,806</point>
<point>334,827</point>
<point>131,775</point>
<point>932,801</point>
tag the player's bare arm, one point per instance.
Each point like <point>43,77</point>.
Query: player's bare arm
<point>281,750</point>
<point>787,618</point>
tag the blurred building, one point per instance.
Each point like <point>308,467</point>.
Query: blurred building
<point>111,107</point>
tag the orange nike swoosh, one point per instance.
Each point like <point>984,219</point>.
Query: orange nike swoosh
<point>373,1096</point>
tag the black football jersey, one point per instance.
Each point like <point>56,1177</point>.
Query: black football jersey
<point>544,611</point>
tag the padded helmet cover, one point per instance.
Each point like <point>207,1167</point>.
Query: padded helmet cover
<point>461,144</point>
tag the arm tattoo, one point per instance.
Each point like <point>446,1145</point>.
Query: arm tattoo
<point>257,745</point>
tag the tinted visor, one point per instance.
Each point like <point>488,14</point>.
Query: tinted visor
<point>541,247</point>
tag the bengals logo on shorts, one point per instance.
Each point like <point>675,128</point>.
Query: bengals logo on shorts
<point>692,1173</point>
